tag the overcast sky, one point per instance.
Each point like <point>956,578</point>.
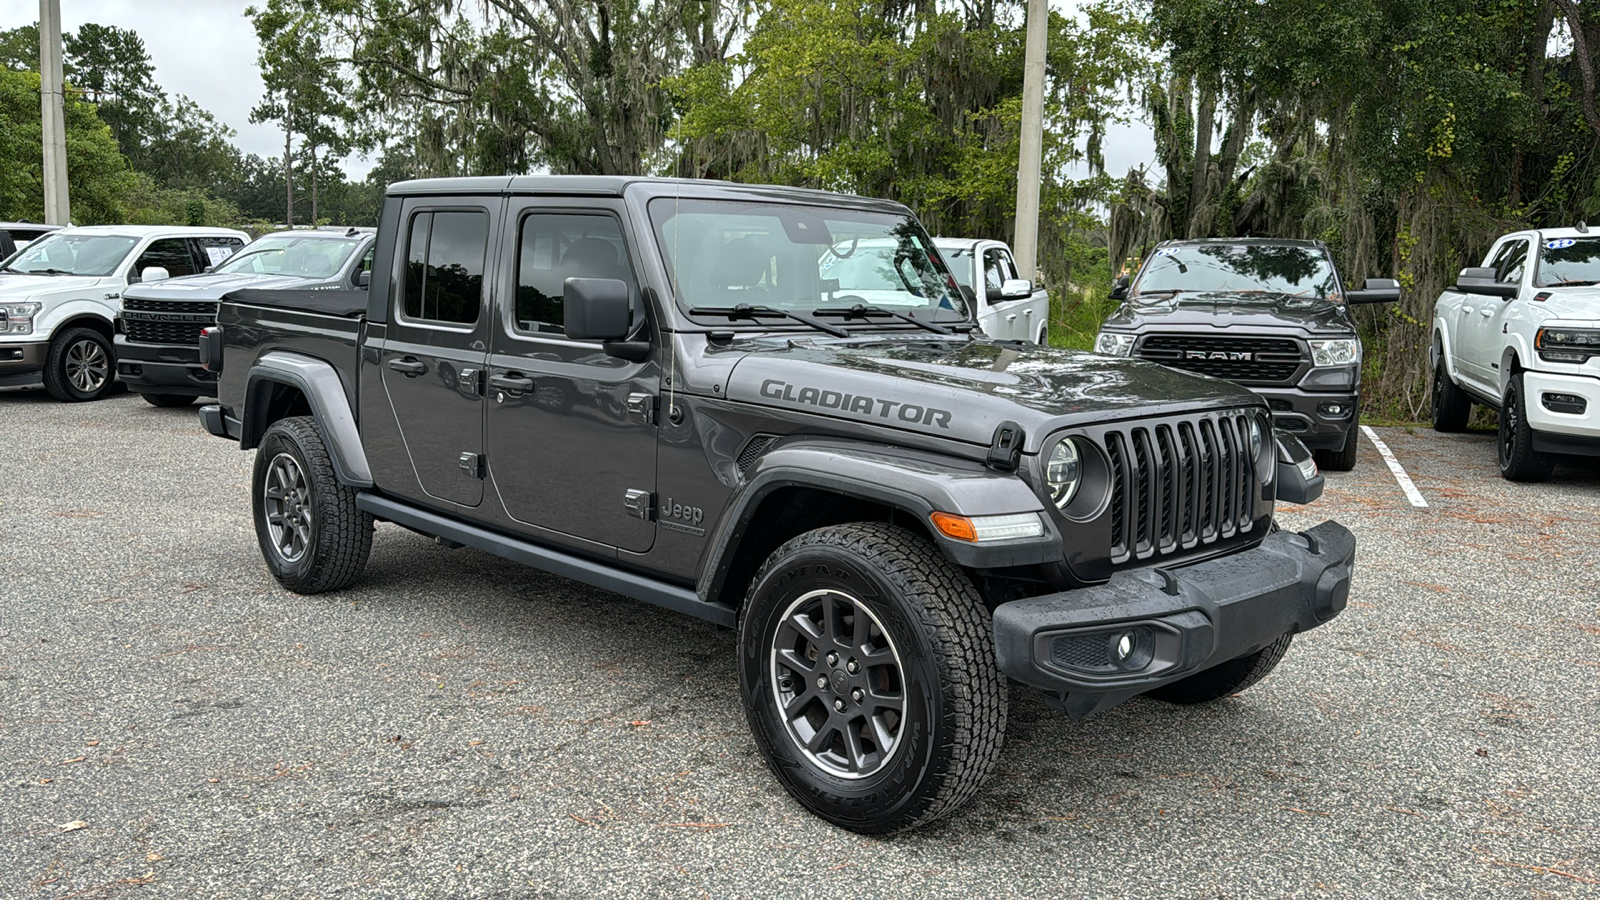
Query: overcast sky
<point>206,50</point>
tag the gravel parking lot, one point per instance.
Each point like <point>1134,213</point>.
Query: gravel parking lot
<point>173,723</point>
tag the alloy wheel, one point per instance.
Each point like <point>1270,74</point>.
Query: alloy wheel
<point>838,683</point>
<point>87,366</point>
<point>286,500</point>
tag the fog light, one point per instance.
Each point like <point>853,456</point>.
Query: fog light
<point>1570,404</point>
<point>11,354</point>
<point>1335,410</point>
<point>1124,647</point>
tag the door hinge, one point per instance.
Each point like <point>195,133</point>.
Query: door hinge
<point>472,464</point>
<point>642,408</point>
<point>471,381</point>
<point>640,504</point>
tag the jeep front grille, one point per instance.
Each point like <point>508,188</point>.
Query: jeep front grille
<point>1252,360</point>
<point>166,321</point>
<point>1179,485</point>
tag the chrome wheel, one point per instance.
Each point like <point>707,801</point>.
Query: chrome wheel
<point>286,499</point>
<point>88,366</point>
<point>838,684</point>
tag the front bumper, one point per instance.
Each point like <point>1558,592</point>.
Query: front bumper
<point>1308,415</point>
<point>163,369</point>
<point>22,363</point>
<point>1179,621</point>
<point>1548,404</point>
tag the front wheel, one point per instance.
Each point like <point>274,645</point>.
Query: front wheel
<point>1226,679</point>
<point>868,673</point>
<point>313,536</point>
<point>81,365</point>
<point>1518,460</point>
<point>1343,459</point>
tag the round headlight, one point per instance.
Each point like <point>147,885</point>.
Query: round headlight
<point>1062,472</point>
<point>1254,425</point>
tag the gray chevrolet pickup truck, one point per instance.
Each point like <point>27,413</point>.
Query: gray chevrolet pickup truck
<point>674,391</point>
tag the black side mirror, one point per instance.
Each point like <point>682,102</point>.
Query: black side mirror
<point>1482,280</point>
<point>364,279</point>
<point>1119,288</point>
<point>1376,290</point>
<point>1298,478</point>
<point>596,309</point>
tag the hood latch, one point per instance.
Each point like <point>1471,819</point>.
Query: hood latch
<point>1005,449</point>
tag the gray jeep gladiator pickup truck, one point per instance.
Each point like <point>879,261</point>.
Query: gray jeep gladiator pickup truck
<point>655,387</point>
<point>1272,315</point>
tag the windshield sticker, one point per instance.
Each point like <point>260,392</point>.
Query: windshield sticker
<point>1562,244</point>
<point>1167,251</point>
<point>218,254</point>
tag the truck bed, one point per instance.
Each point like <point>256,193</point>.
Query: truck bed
<point>325,325</point>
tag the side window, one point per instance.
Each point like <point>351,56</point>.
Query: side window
<point>444,266</point>
<point>992,276</point>
<point>1510,261</point>
<point>214,251</point>
<point>553,247</point>
<point>1008,268</point>
<point>171,254</point>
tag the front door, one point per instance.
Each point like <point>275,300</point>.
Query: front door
<point>1480,328</point>
<point>1007,316</point>
<point>571,429</point>
<point>433,355</point>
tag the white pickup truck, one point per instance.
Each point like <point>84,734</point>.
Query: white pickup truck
<point>1521,334</point>
<point>1008,307</point>
<point>60,296</point>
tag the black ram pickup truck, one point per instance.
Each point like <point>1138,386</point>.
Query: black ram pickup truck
<point>1272,315</point>
<point>657,387</point>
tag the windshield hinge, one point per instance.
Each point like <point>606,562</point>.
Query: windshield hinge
<point>1005,449</point>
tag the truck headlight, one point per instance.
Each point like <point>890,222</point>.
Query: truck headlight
<point>1340,352</point>
<point>1062,473</point>
<point>1109,343</point>
<point>17,318</point>
<point>1567,345</point>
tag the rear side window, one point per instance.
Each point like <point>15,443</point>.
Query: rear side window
<point>171,254</point>
<point>553,247</point>
<point>445,253</point>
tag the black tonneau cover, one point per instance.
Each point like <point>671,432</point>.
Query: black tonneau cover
<point>345,304</point>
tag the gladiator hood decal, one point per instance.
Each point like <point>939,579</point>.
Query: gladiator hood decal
<point>963,390</point>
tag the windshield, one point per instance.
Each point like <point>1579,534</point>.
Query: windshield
<point>299,256</point>
<point>960,268</point>
<point>1568,261</point>
<point>800,259</point>
<point>1239,268</point>
<point>65,253</point>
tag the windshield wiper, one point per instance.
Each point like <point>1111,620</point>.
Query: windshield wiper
<point>861,312</point>
<point>756,313</point>
<point>40,271</point>
<point>1573,284</point>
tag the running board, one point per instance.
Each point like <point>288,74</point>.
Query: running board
<point>628,584</point>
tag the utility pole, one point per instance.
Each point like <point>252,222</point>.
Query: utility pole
<point>1026,245</point>
<point>53,114</point>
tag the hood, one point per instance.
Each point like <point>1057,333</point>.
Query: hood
<point>1570,304</point>
<point>32,287</point>
<point>1227,309</point>
<point>964,389</point>
<point>210,287</point>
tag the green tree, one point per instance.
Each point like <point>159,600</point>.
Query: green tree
<point>112,69</point>
<point>98,178</point>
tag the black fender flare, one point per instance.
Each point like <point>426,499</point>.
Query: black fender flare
<point>319,382</point>
<point>915,482</point>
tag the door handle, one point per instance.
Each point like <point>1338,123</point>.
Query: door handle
<point>511,381</point>
<point>1011,318</point>
<point>1484,310</point>
<point>1028,312</point>
<point>408,366</point>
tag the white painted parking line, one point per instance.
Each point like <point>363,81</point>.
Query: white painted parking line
<point>1412,494</point>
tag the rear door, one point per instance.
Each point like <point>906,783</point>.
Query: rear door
<point>431,364</point>
<point>571,430</point>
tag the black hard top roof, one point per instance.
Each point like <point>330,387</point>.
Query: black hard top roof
<point>618,185</point>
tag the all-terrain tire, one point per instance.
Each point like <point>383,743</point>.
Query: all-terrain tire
<point>1514,442</point>
<point>1451,405</point>
<point>1343,459</point>
<point>81,365</point>
<point>1226,679</point>
<point>312,535</point>
<point>168,401</point>
<point>920,630</point>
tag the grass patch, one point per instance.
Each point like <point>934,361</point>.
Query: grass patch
<point>1075,317</point>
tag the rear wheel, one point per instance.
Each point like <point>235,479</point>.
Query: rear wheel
<point>80,366</point>
<point>1227,679</point>
<point>1518,460</point>
<point>1451,405</point>
<point>869,678</point>
<point>312,535</point>
<point>168,400</point>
